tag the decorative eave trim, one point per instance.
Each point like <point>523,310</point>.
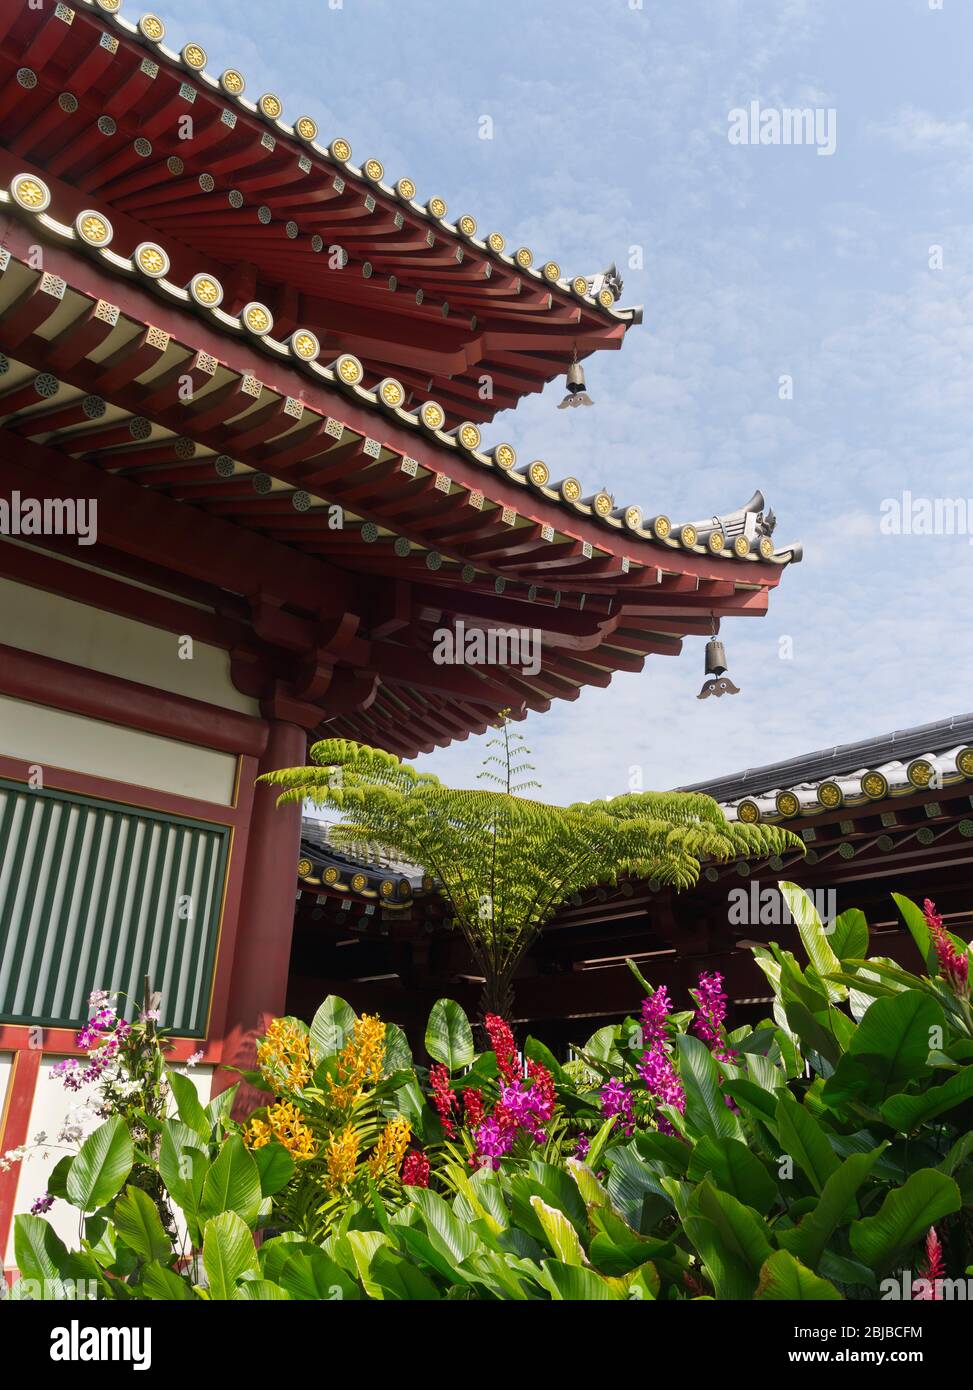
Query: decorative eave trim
<point>370,176</point>
<point>930,772</point>
<point>149,266</point>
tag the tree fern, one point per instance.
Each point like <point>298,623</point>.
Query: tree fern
<point>505,862</point>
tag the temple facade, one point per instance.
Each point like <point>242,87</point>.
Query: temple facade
<point>247,478</point>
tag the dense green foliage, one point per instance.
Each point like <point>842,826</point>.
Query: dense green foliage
<point>822,1154</point>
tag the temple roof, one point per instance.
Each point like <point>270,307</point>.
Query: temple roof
<point>116,373</point>
<point>96,103</point>
<point>925,758</point>
<point>354,518</point>
<point>365,873</point>
<point>748,530</point>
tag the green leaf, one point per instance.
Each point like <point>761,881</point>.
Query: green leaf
<point>189,1105</point>
<point>332,1026</point>
<point>311,1275</point>
<point>398,1053</point>
<point>57,1178</point>
<point>813,935</point>
<point>275,1252</point>
<point>636,1191</point>
<point>561,1235</point>
<point>449,1037</point>
<point>101,1165</point>
<point>809,1239</point>
<point>812,1033</point>
<point>233,1183</point>
<point>140,1226</point>
<point>592,1192</point>
<point>262,1291</point>
<point>39,1252</point>
<point>913,917</point>
<point>958,1154</point>
<point>784,1277</point>
<point>663,1151</point>
<point>730,1239</point>
<point>734,1169</point>
<point>644,1283</point>
<point>848,934</point>
<point>399,1279</point>
<point>364,1245</point>
<point>639,976</point>
<point>228,1254</point>
<point>602,1046</point>
<point>183,1165</point>
<point>221,1106</point>
<point>539,1052</point>
<point>759,1104</point>
<point>597,1146</point>
<point>165,1285</point>
<point>904,1217</point>
<point>275,1167</point>
<point>907,1112</point>
<point>803,1139</point>
<point>889,1049</point>
<point>449,1236</point>
<point>573,1285</point>
<point>706,1110</point>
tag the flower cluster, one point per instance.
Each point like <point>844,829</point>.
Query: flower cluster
<point>285,1052</point>
<point>42,1204</point>
<point>415,1170</point>
<point>656,1008</point>
<point>284,1125</point>
<point>502,1042</point>
<point>101,1038</point>
<point>710,1014</point>
<point>660,1079</point>
<point>526,1106</point>
<point>443,1098</point>
<point>473,1107</point>
<point>616,1099</point>
<point>952,965</point>
<point>360,1061</point>
<point>493,1139</point>
<point>387,1156</point>
<point>928,1288</point>
<point>656,1068</point>
<point>340,1158</point>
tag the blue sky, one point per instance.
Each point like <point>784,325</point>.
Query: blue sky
<point>610,132</point>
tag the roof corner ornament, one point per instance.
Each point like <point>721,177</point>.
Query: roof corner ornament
<point>606,280</point>
<point>718,682</point>
<point>766,522</point>
<point>577,393</point>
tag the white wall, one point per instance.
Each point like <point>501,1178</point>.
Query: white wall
<point>6,1067</point>
<point>63,628</point>
<point>52,738</point>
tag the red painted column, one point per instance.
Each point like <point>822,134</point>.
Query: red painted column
<point>258,981</point>
<point>15,1129</point>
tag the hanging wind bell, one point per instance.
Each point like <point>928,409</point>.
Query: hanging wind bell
<point>577,391</point>
<point>718,683</point>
